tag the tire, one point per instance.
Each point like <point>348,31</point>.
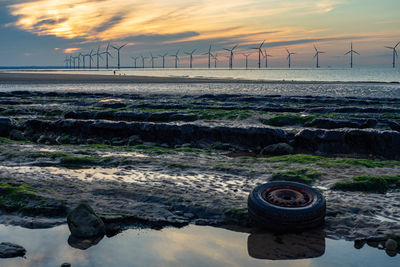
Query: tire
<point>286,206</point>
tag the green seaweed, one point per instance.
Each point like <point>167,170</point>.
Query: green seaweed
<point>369,183</point>
<point>305,176</point>
<point>288,119</point>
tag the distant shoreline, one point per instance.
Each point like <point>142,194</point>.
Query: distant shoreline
<point>58,78</point>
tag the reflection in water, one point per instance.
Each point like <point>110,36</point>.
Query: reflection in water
<point>189,246</point>
<point>269,246</point>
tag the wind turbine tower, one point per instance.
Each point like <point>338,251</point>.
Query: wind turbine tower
<point>90,58</point>
<point>163,59</point>
<point>394,53</point>
<point>176,58</point>
<point>259,53</point>
<point>135,59</point>
<point>317,52</point>
<point>247,57</point>
<point>215,59</point>
<point>351,54</point>
<point>107,53</point>
<point>289,56</point>
<point>231,55</point>
<point>209,56</point>
<point>143,58</point>
<point>152,60</point>
<point>266,55</point>
<point>98,54</point>
<point>190,54</point>
<point>118,49</point>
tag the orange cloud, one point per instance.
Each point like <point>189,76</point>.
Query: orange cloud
<point>71,50</point>
<point>117,19</point>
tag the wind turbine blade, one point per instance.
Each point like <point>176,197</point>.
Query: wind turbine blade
<point>254,48</point>
<point>356,52</point>
<point>389,47</point>
<point>226,49</point>
<point>287,51</point>
<point>262,44</point>
<point>396,44</point>
<point>114,47</point>
<point>122,46</point>
<point>194,50</point>
<point>234,47</point>
<point>315,48</point>
<point>347,53</point>
<point>209,49</point>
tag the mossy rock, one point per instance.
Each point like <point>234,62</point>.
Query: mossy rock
<point>367,183</point>
<point>305,176</point>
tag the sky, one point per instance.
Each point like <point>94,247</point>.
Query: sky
<point>44,32</point>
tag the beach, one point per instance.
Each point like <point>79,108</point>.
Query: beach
<point>164,159</point>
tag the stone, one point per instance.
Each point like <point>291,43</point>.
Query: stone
<point>6,125</point>
<point>277,149</point>
<point>66,264</point>
<point>394,126</point>
<point>10,250</point>
<point>391,244</point>
<point>83,222</point>
<point>83,243</point>
<point>16,135</point>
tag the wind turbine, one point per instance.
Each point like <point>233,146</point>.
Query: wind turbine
<point>107,53</point>
<point>215,59</point>
<point>98,54</point>
<point>143,58</point>
<point>266,55</point>
<point>259,53</point>
<point>394,53</point>
<point>152,60</point>
<point>317,52</point>
<point>176,58</point>
<point>90,58</point>
<point>191,56</point>
<point>247,57</point>
<point>163,59</point>
<point>135,59</point>
<point>70,61</point>
<point>66,60</point>
<point>79,61</point>
<point>209,56</point>
<point>351,54</point>
<point>83,59</point>
<point>118,49</point>
<point>231,55</point>
<point>289,56</point>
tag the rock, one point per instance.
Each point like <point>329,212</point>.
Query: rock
<point>134,140</point>
<point>66,264</point>
<point>394,126</point>
<point>391,244</point>
<point>278,149</point>
<point>16,135</point>
<point>6,125</point>
<point>83,222</point>
<point>327,123</point>
<point>9,250</point>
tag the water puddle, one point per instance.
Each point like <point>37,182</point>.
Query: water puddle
<point>189,246</point>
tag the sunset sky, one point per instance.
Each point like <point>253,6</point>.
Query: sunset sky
<point>42,32</point>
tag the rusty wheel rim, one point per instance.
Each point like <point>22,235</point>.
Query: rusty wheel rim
<point>287,196</point>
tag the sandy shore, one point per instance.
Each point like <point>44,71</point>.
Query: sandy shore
<point>38,78</point>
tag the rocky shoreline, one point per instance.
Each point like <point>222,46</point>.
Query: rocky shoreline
<point>165,160</point>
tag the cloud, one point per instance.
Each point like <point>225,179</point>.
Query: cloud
<point>71,50</point>
<point>104,20</point>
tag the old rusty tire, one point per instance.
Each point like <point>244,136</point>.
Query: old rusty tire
<point>286,206</point>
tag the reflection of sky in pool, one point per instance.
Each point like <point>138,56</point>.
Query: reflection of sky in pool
<point>189,246</point>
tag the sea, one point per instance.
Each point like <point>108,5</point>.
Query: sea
<point>334,82</point>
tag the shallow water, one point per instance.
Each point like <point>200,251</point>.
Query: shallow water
<point>190,246</point>
<point>291,89</point>
<point>276,74</point>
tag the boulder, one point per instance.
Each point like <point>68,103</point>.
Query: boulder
<point>9,250</point>
<point>327,123</point>
<point>6,125</point>
<point>278,149</point>
<point>391,244</point>
<point>16,135</point>
<point>83,222</point>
